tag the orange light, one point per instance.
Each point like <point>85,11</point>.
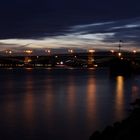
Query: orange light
<point>134,51</point>
<point>48,51</point>
<point>8,52</point>
<point>27,60</point>
<point>61,62</point>
<point>70,51</point>
<point>91,51</point>
<point>119,54</point>
<point>119,97</point>
<point>112,51</point>
<point>28,51</point>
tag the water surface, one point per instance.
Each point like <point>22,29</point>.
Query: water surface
<point>46,104</point>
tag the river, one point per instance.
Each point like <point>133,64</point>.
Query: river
<point>62,104</point>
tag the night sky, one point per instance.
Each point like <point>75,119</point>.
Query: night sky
<point>82,24</point>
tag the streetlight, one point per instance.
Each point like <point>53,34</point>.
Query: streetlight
<point>112,51</point>
<point>119,54</point>
<point>70,51</point>
<point>134,51</point>
<point>28,52</point>
<point>8,52</point>
<point>48,51</point>
<point>91,51</point>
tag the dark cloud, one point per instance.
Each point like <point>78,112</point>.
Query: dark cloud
<point>127,30</point>
<point>41,18</point>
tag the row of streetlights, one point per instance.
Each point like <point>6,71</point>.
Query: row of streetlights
<point>29,52</point>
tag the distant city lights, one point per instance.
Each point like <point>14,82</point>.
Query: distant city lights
<point>27,60</point>
<point>61,63</point>
<point>119,54</point>
<point>28,51</point>
<point>91,51</point>
<point>8,52</point>
<point>112,51</point>
<point>48,51</point>
<point>134,51</point>
<point>70,51</point>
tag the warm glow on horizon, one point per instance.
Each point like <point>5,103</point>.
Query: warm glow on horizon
<point>74,41</point>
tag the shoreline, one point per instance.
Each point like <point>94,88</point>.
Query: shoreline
<point>125,129</point>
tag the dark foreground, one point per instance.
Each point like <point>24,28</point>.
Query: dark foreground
<point>127,129</point>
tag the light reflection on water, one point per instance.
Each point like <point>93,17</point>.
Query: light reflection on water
<point>64,104</point>
<point>28,103</point>
<point>119,99</point>
<point>91,102</point>
<point>71,100</point>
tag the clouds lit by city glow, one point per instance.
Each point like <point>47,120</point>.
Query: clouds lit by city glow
<point>100,36</point>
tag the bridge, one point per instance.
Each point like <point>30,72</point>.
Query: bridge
<point>74,59</point>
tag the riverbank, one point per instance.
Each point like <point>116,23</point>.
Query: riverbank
<point>126,129</point>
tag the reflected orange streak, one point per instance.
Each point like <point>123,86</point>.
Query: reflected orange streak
<point>119,96</point>
<point>49,102</point>
<point>29,102</point>
<point>49,96</point>
<point>91,99</point>
<point>71,100</point>
<point>9,107</point>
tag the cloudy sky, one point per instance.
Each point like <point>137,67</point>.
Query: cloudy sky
<point>60,24</point>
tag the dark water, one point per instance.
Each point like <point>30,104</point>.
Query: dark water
<point>62,104</point>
